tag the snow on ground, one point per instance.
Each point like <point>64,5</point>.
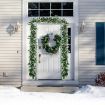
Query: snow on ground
<point>87,95</point>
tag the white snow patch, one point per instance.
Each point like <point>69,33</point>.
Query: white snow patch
<point>8,89</point>
<point>87,95</point>
<point>97,91</point>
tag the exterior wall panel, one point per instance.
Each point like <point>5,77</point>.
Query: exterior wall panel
<point>10,46</point>
<point>90,11</point>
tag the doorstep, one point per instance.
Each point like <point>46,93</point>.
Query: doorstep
<point>62,86</point>
<point>50,89</point>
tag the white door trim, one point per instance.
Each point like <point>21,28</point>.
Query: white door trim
<point>76,47</point>
<point>25,19</point>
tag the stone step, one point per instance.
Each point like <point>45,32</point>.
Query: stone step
<point>50,89</point>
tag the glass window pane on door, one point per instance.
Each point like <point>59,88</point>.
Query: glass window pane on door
<point>55,5</point>
<point>44,12</point>
<point>44,5</point>
<point>67,5</point>
<point>69,40</point>
<point>32,13</point>
<point>67,12</point>
<point>33,5</point>
<point>55,12</point>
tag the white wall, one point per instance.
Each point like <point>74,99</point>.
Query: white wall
<point>10,60</point>
<point>90,11</point>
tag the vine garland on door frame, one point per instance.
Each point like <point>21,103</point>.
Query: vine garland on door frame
<point>33,44</point>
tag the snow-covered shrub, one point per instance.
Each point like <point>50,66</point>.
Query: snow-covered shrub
<point>100,79</point>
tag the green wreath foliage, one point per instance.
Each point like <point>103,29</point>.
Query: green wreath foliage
<point>33,45</point>
<point>49,49</point>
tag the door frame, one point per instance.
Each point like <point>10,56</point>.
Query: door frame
<point>25,80</point>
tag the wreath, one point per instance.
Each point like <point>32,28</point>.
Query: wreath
<point>47,47</point>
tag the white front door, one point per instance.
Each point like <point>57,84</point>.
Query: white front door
<point>48,65</point>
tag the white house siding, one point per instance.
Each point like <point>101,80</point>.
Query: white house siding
<point>10,46</point>
<point>90,11</point>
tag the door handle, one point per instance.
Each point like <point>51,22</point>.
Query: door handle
<point>39,58</point>
<point>39,47</point>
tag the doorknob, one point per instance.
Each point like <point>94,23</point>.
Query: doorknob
<point>39,57</point>
<point>39,47</point>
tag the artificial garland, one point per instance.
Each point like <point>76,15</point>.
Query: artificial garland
<point>49,49</point>
<point>33,44</point>
<point>32,51</point>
